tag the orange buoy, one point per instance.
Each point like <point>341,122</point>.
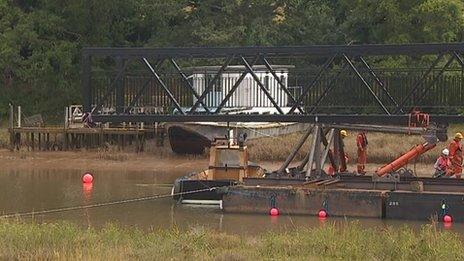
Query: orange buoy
<point>87,178</point>
<point>322,213</point>
<point>274,212</point>
<point>447,219</point>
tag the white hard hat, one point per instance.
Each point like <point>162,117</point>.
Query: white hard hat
<point>445,152</point>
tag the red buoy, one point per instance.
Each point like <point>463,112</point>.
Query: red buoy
<point>322,213</point>
<point>447,219</point>
<point>274,212</point>
<point>87,178</point>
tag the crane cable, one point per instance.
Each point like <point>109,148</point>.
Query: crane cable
<point>56,210</point>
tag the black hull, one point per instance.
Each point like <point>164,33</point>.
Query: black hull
<point>183,185</point>
<point>184,141</point>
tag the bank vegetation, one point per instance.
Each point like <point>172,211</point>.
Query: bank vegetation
<point>345,240</point>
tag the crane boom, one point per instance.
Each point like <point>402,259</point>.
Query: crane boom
<point>405,158</point>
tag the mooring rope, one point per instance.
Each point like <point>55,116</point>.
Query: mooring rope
<point>56,210</point>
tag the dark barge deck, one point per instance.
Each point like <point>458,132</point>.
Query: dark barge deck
<point>350,196</point>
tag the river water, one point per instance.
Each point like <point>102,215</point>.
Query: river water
<point>36,190</point>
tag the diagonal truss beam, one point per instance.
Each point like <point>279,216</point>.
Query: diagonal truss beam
<point>163,85</point>
<point>435,79</point>
<point>211,83</point>
<point>328,88</point>
<point>313,83</point>
<point>379,81</point>
<point>144,87</point>
<point>111,86</point>
<point>235,86</point>
<point>189,85</point>
<point>261,86</point>
<point>459,58</point>
<point>400,107</point>
<point>367,85</point>
<point>281,84</point>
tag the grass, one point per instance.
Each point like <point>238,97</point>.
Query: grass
<point>346,240</point>
<point>382,148</point>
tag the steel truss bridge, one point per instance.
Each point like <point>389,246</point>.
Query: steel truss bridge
<point>160,78</point>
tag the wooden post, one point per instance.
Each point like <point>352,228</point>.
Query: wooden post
<point>32,141</point>
<point>11,128</point>
<point>101,137</point>
<point>65,140</point>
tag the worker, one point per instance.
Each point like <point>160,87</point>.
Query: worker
<point>343,135</point>
<point>331,168</point>
<point>442,164</point>
<point>455,156</point>
<point>361,143</point>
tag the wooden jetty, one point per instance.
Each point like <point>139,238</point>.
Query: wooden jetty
<point>72,136</point>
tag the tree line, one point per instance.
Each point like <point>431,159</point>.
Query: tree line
<point>40,40</point>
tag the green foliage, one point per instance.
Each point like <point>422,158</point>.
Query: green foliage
<point>40,40</point>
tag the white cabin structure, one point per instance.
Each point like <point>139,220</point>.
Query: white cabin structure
<point>248,94</point>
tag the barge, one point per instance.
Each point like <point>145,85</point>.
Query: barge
<point>228,166</point>
<point>391,192</point>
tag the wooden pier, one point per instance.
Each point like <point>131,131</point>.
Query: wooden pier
<point>59,138</point>
<point>32,134</point>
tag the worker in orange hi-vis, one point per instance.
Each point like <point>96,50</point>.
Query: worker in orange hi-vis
<point>361,143</point>
<point>455,156</point>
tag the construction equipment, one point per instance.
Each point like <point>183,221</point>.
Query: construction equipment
<point>326,143</point>
<point>404,159</point>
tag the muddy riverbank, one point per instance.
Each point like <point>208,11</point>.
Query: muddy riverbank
<point>142,162</point>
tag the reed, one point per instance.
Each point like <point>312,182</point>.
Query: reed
<point>343,240</point>
<point>112,153</point>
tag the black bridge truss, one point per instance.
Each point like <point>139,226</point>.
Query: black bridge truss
<point>338,60</point>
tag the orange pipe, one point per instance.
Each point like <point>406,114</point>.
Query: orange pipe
<point>405,158</point>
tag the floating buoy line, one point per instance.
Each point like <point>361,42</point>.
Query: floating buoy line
<point>104,204</point>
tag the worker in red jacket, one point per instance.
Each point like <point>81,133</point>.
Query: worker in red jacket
<point>455,155</point>
<point>361,143</point>
<point>442,165</point>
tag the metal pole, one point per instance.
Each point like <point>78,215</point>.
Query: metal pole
<point>313,150</point>
<point>11,122</point>
<point>66,117</point>
<point>295,150</point>
<point>19,116</point>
